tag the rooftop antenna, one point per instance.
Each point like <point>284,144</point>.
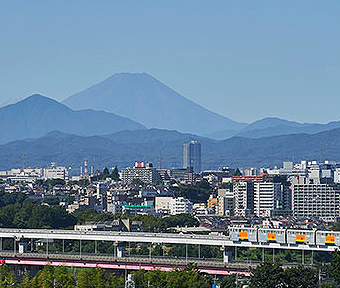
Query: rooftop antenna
<point>85,167</point>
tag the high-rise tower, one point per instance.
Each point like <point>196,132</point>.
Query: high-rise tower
<point>192,156</point>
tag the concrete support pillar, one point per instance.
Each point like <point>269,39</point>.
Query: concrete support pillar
<point>227,255</point>
<point>22,247</point>
<point>303,257</point>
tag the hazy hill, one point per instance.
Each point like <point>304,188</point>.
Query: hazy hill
<point>113,149</point>
<point>146,100</point>
<point>271,126</point>
<point>37,115</point>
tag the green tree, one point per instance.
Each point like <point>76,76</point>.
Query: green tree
<point>45,277</point>
<point>26,281</point>
<point>83,278</point>
<point>336,226</point>
<point>64,278</point>
<point>83,215</point>
<point>301,277</point>
<point>229,281</point>
<point>327,285</point>
<point>114,174</point>
<point>106,173</point>
<point>51,201</point>
<point>237,172</point>
<point>114,282</point>
<point>7,278</point>
<point>98,277</point>
<point>198,192</point>
<point>335,266</point>
<point>267,275</point>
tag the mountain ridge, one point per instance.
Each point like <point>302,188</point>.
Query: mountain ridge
<point>108,150</point>
<point>38,115</point>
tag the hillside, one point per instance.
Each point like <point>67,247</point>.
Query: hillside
<point>113,149</point>
<point>37,115</point>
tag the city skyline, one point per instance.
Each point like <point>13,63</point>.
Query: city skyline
<point>170,143</point>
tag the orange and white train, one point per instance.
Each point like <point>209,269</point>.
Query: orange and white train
<point>284,236</point>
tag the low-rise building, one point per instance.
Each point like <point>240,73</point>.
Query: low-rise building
<point>162,205</point>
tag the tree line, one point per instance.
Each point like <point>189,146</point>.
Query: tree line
<point>266,275</point>
<point>17,210</point>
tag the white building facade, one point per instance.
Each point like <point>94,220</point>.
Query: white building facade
<point>180,205</point>
<point>266,196</point>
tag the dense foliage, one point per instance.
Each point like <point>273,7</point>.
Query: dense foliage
<point>189,277</point>
<point>198,192</point>
<point>151,223</point>
<point>265,275</point>
<point>106,174</point>
<point>32,214</point>
<point>17,211</point>
<point>268,275</point>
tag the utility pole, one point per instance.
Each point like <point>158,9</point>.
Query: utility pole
<point>130,281</point>
<point>186,254</point>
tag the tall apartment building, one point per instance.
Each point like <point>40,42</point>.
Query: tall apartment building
<point>192,156</point>
<point>316,200</point>
<point>145,173</point>
<point>225,202</point>
<point>244,198</point>
<point>267,196</point>
<point>180,205</point>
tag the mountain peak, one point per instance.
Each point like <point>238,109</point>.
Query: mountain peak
<point>144,99</point>
<point>37,115</point>
<point>38,99</point>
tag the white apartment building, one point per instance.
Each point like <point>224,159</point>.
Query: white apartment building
<point>147,173</point>
<point>337,175</point>
<point>55,173</point>
<point>266,195</point>
<point>162,204</point>
<point>180,205</point>
<point>243,198</point>
<point>316,200</point>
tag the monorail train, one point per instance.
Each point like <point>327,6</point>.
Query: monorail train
<point>284,236</point>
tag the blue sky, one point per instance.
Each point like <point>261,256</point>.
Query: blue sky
<point>243,59</point>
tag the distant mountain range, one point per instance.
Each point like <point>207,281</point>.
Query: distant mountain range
<point>268,127</point>
<point>124,148</point>
<point>37,115</point>
<point>42,128</point>
<point>144,99</point>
